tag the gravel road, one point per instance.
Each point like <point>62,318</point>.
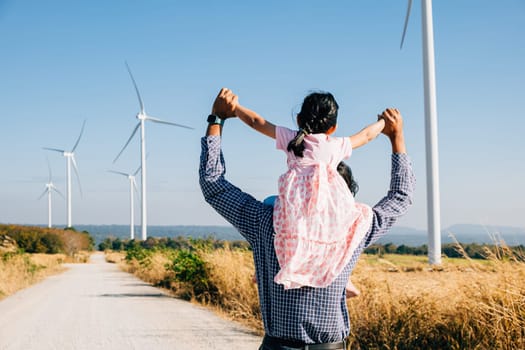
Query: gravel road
<point>97,306</point>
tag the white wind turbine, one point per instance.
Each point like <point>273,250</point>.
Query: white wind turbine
<point>433,200</point>
<point>50,187</point>
<point>142,117</point>
<point>70,158</point>
<point>132,187</point>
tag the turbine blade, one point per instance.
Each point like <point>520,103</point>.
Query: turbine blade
<point>136,89</point>
<point>406,23</point>
<point>123,148</point>
<point>76,172</point>
<point>43,194</point>
<point>118,172</point>
<point>54,149</point>
<point>79,136</point>
<point>156,120</point>
<point>57,191</point>
<point>136,189</point>
<point>139,168</point>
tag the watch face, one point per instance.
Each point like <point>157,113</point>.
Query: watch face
<point>214,119</point>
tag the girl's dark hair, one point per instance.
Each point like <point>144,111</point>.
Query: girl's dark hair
<point>345,171</point>
<point>318,114</point>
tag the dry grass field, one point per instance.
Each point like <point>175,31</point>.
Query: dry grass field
<point>29,253</point>
<point>18,270</point>
<point>463,304</point>
<point>404,303</point>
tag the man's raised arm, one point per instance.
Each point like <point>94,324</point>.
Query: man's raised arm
<point>239,208</point>
<point>402,180</point>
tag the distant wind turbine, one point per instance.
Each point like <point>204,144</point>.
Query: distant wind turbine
<point>50,187</point>
<point>132,188</point>
<point>142,117</point>
<point>433,200</point>
<point>70,158</point>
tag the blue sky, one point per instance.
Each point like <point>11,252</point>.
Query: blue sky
<point>63,62</point>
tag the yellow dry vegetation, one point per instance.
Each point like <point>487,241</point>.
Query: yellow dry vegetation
<point>232,273</point>
<point>404,303</point>
<point>462,304</point>
<point>19,270</point>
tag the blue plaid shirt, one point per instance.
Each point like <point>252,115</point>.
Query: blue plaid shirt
<point>309,315</point>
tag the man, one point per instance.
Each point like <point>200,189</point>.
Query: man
<point>303,318</point>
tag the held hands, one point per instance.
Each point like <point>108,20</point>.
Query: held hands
<point>393,122</point>
<point>225,104</point>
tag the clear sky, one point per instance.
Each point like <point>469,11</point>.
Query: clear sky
<point>63,62</point>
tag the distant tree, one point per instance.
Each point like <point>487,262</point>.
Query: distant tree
<point>117,245</point>
<point>390,248</point>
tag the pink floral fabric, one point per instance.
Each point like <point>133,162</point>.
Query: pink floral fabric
<point>317,223</point>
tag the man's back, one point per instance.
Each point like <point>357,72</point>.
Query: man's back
<point>307,315</point>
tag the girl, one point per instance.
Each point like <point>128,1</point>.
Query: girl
<point>318,225</point>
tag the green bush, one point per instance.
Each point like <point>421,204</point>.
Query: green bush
<point>191,270</point>
<point>188,267</point>
<point>141,255</point>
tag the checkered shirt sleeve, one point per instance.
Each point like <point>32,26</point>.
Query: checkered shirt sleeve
<point>309,315</point>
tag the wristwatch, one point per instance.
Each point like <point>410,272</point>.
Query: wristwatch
<point>215,119</point>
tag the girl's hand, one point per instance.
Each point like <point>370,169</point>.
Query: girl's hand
<point>225,104</point>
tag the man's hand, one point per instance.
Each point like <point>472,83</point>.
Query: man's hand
<point>394,129</point>
<point>225,104</point>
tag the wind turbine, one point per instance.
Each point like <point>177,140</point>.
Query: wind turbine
<point>142,117</point>
<point>433,200</point>
<point>50,187</point>
<point>132,186</point>
<point>70,159</point>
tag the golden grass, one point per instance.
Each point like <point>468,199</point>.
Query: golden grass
<point>114,257</point>
<point>18,271</point>
<point>154,271</point>
<point>231,272</point>
<point>463,304</point>
<point>404,303</point>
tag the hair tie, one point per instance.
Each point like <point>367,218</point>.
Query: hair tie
<point>299,137</point>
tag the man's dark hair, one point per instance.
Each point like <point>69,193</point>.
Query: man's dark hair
<point>344,170</point>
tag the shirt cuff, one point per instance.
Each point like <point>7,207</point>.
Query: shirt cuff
<point>401,159</point>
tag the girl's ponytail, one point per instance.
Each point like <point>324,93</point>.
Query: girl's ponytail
<point>318,114</point>
<point>297,143</point>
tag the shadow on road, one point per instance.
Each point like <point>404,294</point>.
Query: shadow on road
<point>134,295</point>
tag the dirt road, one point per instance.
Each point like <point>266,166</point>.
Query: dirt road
<point>97,306</point>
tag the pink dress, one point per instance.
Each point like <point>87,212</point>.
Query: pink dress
<point>317,224</point>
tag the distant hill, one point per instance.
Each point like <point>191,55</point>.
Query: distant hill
<point>398,235</point>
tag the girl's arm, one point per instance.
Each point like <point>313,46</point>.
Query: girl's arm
<point>367,134</point>
<point>254,120</point>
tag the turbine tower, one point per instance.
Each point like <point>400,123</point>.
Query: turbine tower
<point>132,186</point>
<point>431,137</point>
<point>50,187</point>
<point>70,159</point>
<point>142,117</point>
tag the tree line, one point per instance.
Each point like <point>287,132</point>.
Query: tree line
<point>452,250</point>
